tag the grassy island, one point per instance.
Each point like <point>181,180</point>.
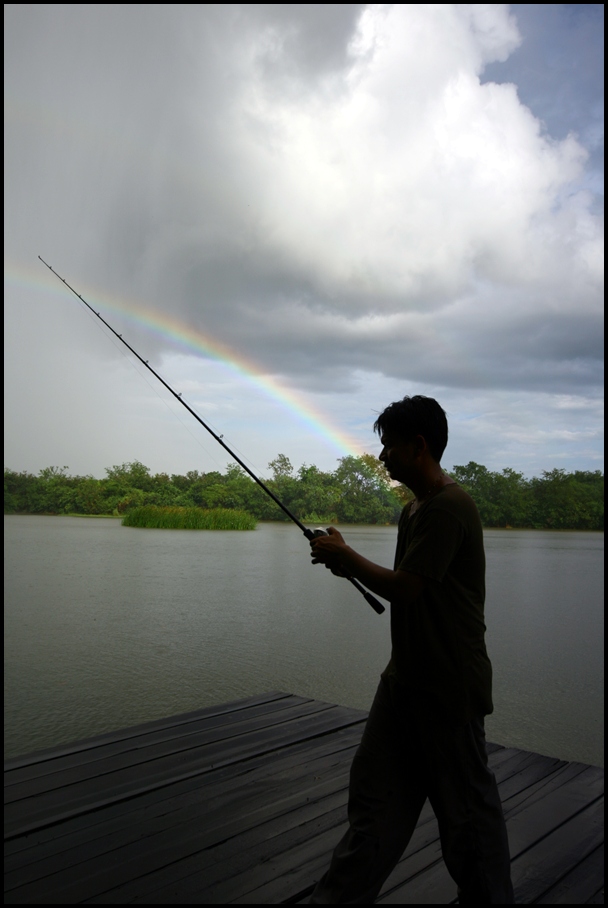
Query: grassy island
<point>175,518</point>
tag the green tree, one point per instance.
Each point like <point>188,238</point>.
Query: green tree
<point>284,485</point>
<point>54,492</point>
<point>134,475</point>
<point>185,483</point>
<point>161,491</point>
<point>18,490</point>
<point>317,497</point>
<point>569,500</point>
<point>257,502</point>
<point>359,491</point>
<point>89,497</point>
<point>365,496</point>
<point>402,493</point>
<point>509,493</point>
<point>589,487</point>
<point>237,487</point>
<point>478,482</point>
<point>281,467</point>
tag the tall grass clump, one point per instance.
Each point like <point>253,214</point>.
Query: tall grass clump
<point>189,518</point>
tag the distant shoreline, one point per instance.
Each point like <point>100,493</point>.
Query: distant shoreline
<point>373,526</point>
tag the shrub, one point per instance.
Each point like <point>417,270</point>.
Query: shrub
<point>189,518</point>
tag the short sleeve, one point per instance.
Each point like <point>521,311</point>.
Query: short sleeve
<point>435,541</point>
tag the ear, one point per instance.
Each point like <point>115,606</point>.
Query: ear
<point>420,446</point>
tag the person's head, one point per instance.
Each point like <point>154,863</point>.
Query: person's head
<point>413,418</point>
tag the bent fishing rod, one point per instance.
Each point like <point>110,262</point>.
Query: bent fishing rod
<point>310,534</point>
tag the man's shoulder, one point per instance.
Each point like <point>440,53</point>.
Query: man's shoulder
<point>453,499</point>
<point>453,491</point>
<point>450,499</point>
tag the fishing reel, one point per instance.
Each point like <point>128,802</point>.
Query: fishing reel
<point>377,606</point>
<point>319,531</point>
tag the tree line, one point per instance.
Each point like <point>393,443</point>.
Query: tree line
<point>358,491</point>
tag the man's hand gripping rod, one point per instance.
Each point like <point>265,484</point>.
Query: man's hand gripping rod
<point>310,534</point>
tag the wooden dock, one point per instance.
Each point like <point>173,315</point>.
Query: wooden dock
<point>243,803</point>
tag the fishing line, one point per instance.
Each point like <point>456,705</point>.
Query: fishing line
<point>142,375</point>
<point>309,534</point>
<point>101,327</point>
<point>94,316</point>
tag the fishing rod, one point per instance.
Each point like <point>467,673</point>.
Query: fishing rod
<point>310,534</point>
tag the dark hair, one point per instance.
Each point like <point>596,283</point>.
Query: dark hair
<point>416,416</point>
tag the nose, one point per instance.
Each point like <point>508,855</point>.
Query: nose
<point>382,455</point>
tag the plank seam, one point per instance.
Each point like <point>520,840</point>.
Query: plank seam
<point>28,828</point>
<point>567,873</point>
<point>143,729</point>
<point>226,733</point>
<point>554,829</point>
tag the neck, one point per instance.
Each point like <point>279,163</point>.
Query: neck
<point>431,479</point>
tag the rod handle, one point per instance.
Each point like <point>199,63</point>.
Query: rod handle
<point>371,600</point>
<point>377,606</point>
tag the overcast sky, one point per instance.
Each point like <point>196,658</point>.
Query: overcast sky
<point>300,213</point>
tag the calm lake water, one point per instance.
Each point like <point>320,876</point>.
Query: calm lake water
<point>108,626</point>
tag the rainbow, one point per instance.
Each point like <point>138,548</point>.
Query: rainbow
<point>190,340</point>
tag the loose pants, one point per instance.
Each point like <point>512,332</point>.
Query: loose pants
<point>402,760</point>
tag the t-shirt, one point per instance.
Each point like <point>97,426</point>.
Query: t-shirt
<point>439,656</point>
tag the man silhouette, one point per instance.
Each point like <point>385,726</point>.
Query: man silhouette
<point>424,737</point>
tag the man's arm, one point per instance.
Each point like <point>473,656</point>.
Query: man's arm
<point>395,586</point>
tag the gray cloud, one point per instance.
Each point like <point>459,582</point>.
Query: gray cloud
<point>303,42</point>
<point>333,191</point>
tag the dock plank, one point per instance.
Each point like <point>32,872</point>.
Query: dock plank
<point>195,828</point>
<point>33,810</point>
<point>110,759</point>
<point>131,733</point>
<point>309,758</point>
<point>579,884</point>
<point>243,803</point>
<point>562,849</point>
